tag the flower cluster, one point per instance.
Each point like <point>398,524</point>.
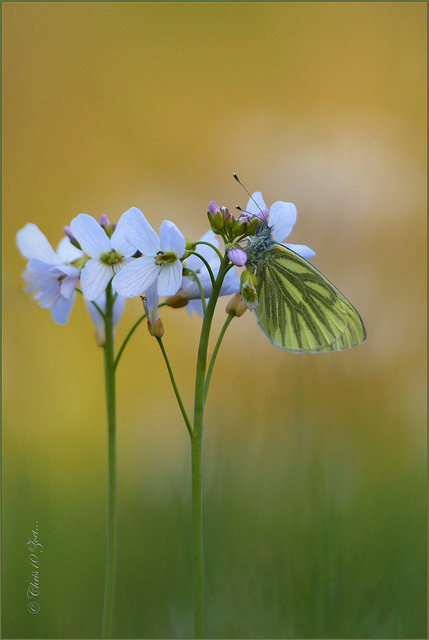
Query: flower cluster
<point>257,224</point>
<point>134,260</point>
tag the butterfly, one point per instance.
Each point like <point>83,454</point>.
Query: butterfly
<point>298,308</point>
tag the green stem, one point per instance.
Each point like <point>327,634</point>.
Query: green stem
<point>210,272</point>
<point>200,288</point>
<point>94,303</point>
<point>176,390</point>
<point>197,535</point>
<point>196,451</point>
<point>212,247</point>
<point>227,322</point>
<point>109,371</point>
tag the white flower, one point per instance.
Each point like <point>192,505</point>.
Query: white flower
<point>97,318</point>
<point>189,292</point>
<point>50,276</point>
<point>160,262</point>
<point>107,254</point>
<point>281,218</point>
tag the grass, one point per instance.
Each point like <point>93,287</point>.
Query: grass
<point>326,543</point>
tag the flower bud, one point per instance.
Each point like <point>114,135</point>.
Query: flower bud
<point>177,301</point>
<point>240,226</point>
<point>156,330</point>
<point>104,221</point>
<point>154,322</point>
<point>215,218</point>
<point>248,289</point>
<point>252,224</point>
<point>237,256</point>
<point>67,230</point>
<point>236,305</point>
<point>228,218</point>
<point>213,207</point>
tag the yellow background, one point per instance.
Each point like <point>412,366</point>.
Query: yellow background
<point>117,104</point>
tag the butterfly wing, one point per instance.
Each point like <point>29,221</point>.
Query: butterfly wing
<point>299,309</point>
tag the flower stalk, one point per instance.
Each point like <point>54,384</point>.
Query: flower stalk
<point>110,381</point>
<point>196,452</point>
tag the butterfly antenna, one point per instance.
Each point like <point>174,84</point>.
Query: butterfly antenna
<point>247,191</point>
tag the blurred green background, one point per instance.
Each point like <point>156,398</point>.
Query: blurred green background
<point>314,466</point>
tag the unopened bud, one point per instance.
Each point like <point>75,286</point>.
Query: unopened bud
<point>177,301</point>
<point>215,218</point>
<point>236,305</point>
<point>213,207</point>
<point>228,218</point>
<point>104,221</point>
<point>237,256</point>
<point>252,224</point>
<point>240,226</point>
<point>154,322</point>
<point>248,289</point>
<point>67,230</point>
<point>157,329</point>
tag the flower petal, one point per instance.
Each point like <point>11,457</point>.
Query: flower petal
<point>195,263</point>
<point>91,237</point>
<point>67,252</point>
<point>197,306</point>
<point>118,240</point>
<point>41,268</point>
<point>136,277</point>
<point>150,303</point>
<point>302,250</point>
<point>49,295</point>
<point>138,232</point>
<point>170,278</point>
<point>281,220</point>
<point>171,240</point>
<point>32,283</point>
<point>61,310</point>
<point>120,265</point>
<point>231,283</point>
<point>70,271</point>
<point>94,278</point>
<point>68,285</point>
<point>32,243</point>
<point>256,204</point>
<point>118,307</point>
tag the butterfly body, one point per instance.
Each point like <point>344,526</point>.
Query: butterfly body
<point>259,244</point>
<point>299,309</point>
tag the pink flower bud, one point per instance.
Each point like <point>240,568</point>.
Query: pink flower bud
<point>67,230</point>
<point>228,217</point>
<point>216,217</point>
<point>104,221</point>
<point>213,207</point>
<point>237,256</point>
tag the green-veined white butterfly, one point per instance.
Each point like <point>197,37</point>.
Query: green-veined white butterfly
<point>299,309</point>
